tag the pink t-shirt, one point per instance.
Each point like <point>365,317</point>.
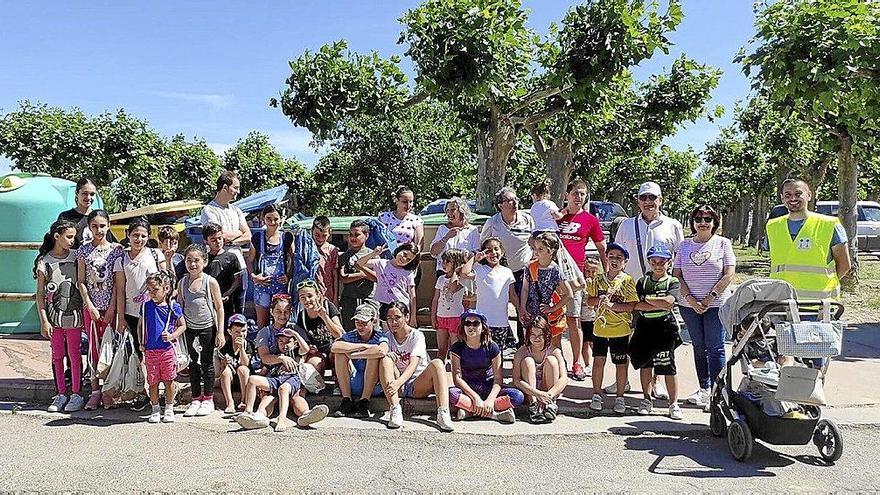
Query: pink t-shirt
<point>576,230</point>
<point>392,283</point>
<point>702,265</point>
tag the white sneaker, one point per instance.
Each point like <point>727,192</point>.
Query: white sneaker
<point>461,414</point>
<point>596,402</point>
<point>675,412</point>
<point>506,416</point>
<point>154,415</point>
<point>74,404</point>
<point>645,407</point>
<point>193,408</point>
<point>252,421</point>
<point>619,405</point>
<point>205,408</point>
<point>659,391</point>
<point>313,415</point>
<point>57,403</point>
<point>699,398</point>
<point>168,417</point>
<point>444,420</point>
<point>396,420</point>
<point>612,389</point>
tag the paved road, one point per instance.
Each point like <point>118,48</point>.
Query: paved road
<point>52,453</point>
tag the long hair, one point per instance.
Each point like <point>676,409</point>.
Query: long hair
<point>408,246</point>
<point>58,227</point>
<point>166,279</point>
<point>503,260</point>
<point>540,323</point>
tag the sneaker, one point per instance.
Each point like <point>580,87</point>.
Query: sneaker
<point>619,405</point>
<point>675,412</point>
<point>588,370</point>
<point>612,389</point>
<point>57,403</point>
<point>396,420</point>
<point>444,420</point>
<point>550,411</point>
<point>74,404</point>
<point>205,408</point>
<point>193,408</point>
<point>596,402</point>
<point>252,421</point>
<point>699,398</point>
<point>506,416</point>
<point>363,409</point>
<point>346,408</point>
<point>659,390</point>
<point>154,415</point>
<point>140,403</point>
<point>461,414</point>
<point>645,407</point>
<point>313,415</point>
<point>536,415</point>
<point>94,401</point>
<point>578,373</point>
<point>168,417</point>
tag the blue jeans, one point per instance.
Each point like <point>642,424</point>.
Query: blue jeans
<point>707,336</point>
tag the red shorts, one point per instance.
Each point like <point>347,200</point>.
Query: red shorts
<point>161,365</point>
<point>449,324</point>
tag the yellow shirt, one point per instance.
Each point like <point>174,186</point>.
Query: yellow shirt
<point>610,324</point>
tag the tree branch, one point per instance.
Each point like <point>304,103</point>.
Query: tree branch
<point>537,96</point>
<point>415,99</point>
<point>539,143</point>
<point>536,117</point>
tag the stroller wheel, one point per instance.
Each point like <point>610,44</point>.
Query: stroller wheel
<point>739,439</point>
<point>827,438</point>
<point>717,423</point>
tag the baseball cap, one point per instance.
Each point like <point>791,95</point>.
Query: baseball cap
<point>618,247</point>
<point>659,251</point>
<point>365,312</point>
<point>237,319</point>
<point>649,188</point>
<point>473,313</point>
<point>286,331</point>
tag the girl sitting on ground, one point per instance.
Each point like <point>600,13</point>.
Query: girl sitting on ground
<point>539,371</point>
<point>317,320</point>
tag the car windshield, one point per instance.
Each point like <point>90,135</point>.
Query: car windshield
<point>872,213</point>
<point>830,210</point>
<point>608,211</point>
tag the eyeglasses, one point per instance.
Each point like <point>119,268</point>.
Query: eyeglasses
<point>306,283</point>
<point>394,318</point>
<point>647,197</point>
<point>471,323</point>
<point>510,200</point>
<point>703,219</point>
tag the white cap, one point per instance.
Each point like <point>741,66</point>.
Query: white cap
<point>649,188</point>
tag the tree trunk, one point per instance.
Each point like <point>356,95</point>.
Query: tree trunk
<point>493,150</point>
<point>848,190</point>
<point>559,160</point>
<point>759,213</point>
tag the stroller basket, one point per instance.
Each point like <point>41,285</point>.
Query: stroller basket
<point>777,430</point>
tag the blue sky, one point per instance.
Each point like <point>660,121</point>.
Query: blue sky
<point>208,69</point>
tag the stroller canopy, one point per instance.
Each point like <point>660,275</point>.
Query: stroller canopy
<point>750,298</point>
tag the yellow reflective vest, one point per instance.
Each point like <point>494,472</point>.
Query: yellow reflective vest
<point>803,262</point>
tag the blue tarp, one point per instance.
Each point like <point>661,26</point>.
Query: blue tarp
<point>262,199</point>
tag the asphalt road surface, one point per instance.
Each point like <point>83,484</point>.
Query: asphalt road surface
<point>44,453</point>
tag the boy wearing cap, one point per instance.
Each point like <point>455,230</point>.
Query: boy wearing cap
<point>235,358</point>
<point>614,297</point>
<point>283,380</point>
<point>357,354</point>
<point>652,348</point>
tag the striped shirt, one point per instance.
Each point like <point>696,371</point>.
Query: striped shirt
<point>702,266</point>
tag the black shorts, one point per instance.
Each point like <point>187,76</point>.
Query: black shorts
<point>587,330</point>
<point>617,345</point>
<point>132,323</point>
<point>662,362</point>
<point>653,344</point>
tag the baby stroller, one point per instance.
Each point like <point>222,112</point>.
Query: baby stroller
<point>763,317</point>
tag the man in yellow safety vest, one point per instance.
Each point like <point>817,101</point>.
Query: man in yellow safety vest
<point>807,249</point>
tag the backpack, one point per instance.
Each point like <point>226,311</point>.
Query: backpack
<point>379,235</point>
<point>64,303</point>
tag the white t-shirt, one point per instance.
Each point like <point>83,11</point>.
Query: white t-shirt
<point>449,305</point>
<point>542,211</point>
<point>136,271</point>
<point>411,348</point>
<point>492,286</point>
<point>231,218</point>
<point>468,239</point>
<point>663,230</point>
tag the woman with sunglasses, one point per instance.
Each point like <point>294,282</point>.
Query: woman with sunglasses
<point>317,320</point>
<point>705,266</point>
<point>476,374</point>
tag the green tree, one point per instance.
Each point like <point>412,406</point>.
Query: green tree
<point>821,59</point>
<point>193,166</point>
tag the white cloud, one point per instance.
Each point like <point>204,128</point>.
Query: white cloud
<point>5,165</point>
<point>220,148</point>
<point>294,140</point>
<point>212,100</point>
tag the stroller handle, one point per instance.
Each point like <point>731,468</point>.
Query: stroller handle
<point>803,303</point>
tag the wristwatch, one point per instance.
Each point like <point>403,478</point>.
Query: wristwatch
<point>713,294</point>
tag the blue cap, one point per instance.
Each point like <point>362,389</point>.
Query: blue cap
<point>237,319</point>
<point>618,247</point>
<point>660,251</point>
<point>473,313</point>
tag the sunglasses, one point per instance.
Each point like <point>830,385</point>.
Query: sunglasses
<point>306,283</point>
<point>471,323</point>
<point>703,219</point>
<point>276,297</point>
<point>648,197</point>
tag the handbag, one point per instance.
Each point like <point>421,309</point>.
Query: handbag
<point>801,384</point>
<point>809,339</point>
<point>181,355</point>
<point>106,352</point>
<point>311,378</point>
<point>133,384</point>
<point>115,379</point>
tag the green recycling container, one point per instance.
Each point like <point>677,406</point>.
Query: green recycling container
<point>29,203</point>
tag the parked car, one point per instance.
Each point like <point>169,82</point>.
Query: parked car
<point>867,224</point>
<point>439,206</point>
